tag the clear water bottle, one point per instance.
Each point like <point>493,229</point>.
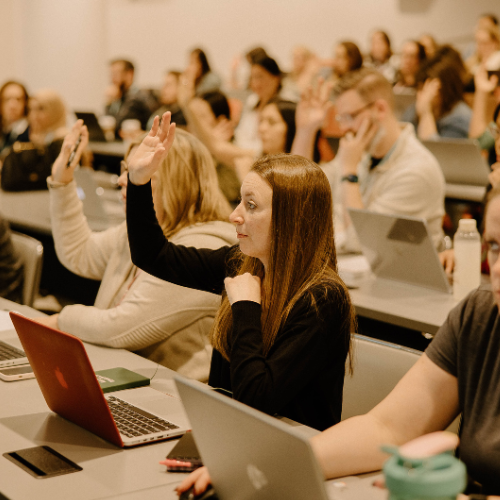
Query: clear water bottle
<point>425,469</point>
<point>467,245</point>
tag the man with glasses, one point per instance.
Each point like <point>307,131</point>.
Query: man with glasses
<point>381,165</point>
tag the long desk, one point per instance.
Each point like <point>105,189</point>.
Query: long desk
<point>108,472</point>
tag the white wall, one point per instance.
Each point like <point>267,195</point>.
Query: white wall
<point>66,44</point>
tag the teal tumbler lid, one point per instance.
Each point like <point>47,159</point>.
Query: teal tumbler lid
<point>413,472</point>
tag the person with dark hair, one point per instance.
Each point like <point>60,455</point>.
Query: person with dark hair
<point>240,73</point>
<point>168,100</point>
<point>13,114</point>
<point>265,83</point>
<point>282,334</point>
<point>411,58</point>
<point>199,69</point>
<point>440,110</point>
<point>347,57</point>
<point>381,57</point>
<point>124,101</point>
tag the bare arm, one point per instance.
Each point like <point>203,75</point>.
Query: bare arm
<point>425,400</point>
<point>427,127</point>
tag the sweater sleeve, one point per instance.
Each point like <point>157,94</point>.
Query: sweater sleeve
<point>150,312</point>
<point>203,269</point>
<point>80,250</point>
<point>310,338</point>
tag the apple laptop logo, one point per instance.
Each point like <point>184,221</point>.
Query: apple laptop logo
<point>60,378</point>
<point>256,476</point>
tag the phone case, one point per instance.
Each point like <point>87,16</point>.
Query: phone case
<point>184,457</point>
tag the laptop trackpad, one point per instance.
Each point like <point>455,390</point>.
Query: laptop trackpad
<point>154,401</point>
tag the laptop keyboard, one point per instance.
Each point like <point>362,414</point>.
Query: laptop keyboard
<point>9,352</point>
<point>132,421</point>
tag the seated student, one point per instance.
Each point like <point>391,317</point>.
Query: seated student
<point>381,56</point>
<point>276,131</point>
<point>11,266</point>
<point>199,69</point>
<point>430,45</point>
<point>282,333</point>
<point>13,114</point>
<point>379,165</point>
<point>305,67</point>
<point>124,101</point>
<point>346,57</point>
<point>27,165</point>
<point>411,57</point>
<point>265,84</point>
<point>168,100</point>
<point>439,110</point>
<point>487,49</point>
<point>458,373</point>
<point>134,310</point>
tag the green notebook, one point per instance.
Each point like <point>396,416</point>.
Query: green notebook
<point>118,379</point>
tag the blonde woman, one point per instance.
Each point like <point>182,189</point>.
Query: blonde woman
<point>134,310</point>
<point>46,117</point>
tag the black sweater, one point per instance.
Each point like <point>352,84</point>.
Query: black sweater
<point>302,376</point>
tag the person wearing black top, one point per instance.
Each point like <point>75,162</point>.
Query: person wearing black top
<point>282,334</point>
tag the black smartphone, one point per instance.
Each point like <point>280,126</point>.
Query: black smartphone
<point>184,456</point>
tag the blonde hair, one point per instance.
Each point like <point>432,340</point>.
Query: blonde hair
<point>55,108</point>
<point>188,189</point>
<point>369,83</point>
<point>302,261</point>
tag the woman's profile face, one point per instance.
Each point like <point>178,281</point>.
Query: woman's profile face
<point>38,116</point>
<point>379,48</point>
<point>252,217</point>
<point>485,45</point>
<point>263,83</point>
<point>272,130</point>
<point>340,60</point>
<point>13,103</point>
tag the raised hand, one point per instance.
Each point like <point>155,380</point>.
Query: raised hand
<point>353,146</point>
<point>426,96</point>
<point>313,106</point>
<point>154,148</point>
<point>484,84</point>
<point>61,172</point>
<point>243,287</point>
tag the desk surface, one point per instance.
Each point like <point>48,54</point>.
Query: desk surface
<point>108,472</point>
<point>30,210</point>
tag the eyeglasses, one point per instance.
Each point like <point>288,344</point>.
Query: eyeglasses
<point>493,251</point>
<point>348,118</point>
<point>494,130</point>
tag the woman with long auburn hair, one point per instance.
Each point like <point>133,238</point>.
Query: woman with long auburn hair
<point>134,310</point>
<point>282,334</point>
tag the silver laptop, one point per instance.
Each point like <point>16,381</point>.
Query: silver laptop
<point>69,385</point>
<point>11,353</point>
<point>95,206</point>
<point>460,160</point>
<point>402,101</point>
<point>399,248</point>
<point>253,456</point>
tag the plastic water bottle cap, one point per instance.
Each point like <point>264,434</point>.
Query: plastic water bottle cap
<point>467,224</point>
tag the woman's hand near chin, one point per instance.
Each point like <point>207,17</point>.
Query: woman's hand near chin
<point>148,156</point>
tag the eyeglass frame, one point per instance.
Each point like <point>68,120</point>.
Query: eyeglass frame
<point>350,117</point>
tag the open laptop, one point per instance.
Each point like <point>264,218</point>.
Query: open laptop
<point>253,456</point>
<point>399,248</point>
<point>70,388</point>
<point>95,207</point>
<point>96,134</point>
<point>11,353</point>
<point>460,160</point>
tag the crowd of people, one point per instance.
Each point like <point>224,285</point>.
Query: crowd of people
<point>262,311</point>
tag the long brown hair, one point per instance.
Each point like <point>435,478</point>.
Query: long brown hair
<point>302,259</point>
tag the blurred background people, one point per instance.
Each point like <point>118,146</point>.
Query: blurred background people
<point>13,114</point>
<point>381,56</point>
<point>346,57</point>
<point>199,69</point>
<point>411,57</point>
<point>124,101</point>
